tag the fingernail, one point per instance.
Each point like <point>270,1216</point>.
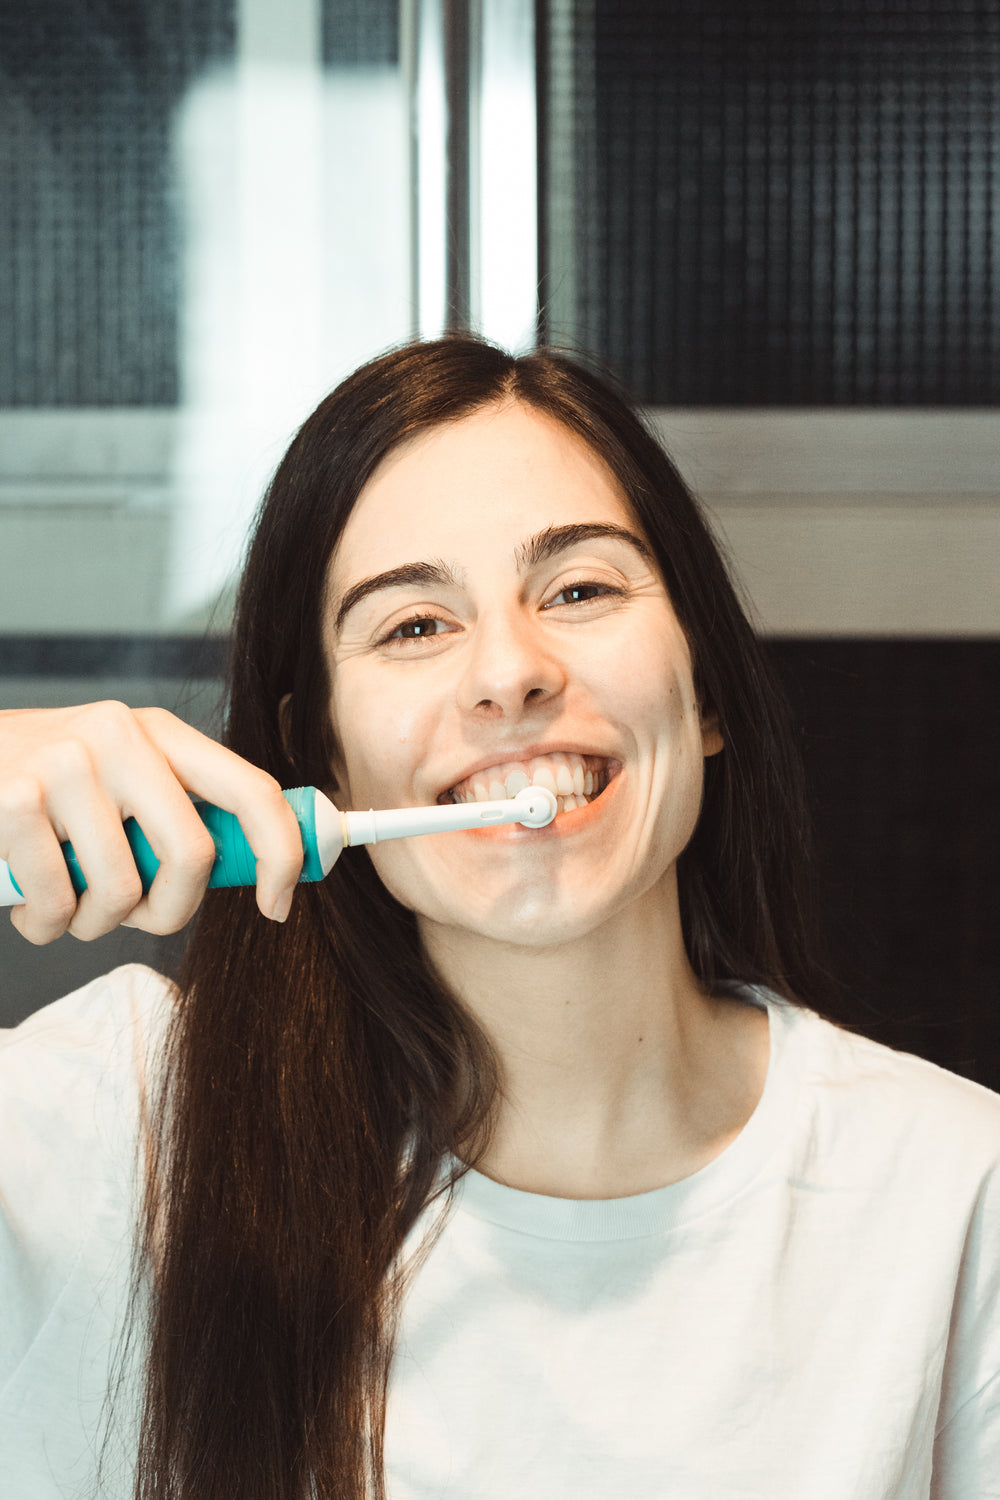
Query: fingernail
<point>282,907</point>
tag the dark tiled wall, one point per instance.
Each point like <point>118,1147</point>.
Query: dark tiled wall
<point>90,236</point>
<point>786,204</point>
<point>900,740</point>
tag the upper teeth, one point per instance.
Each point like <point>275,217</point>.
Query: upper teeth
<point>571,777</point>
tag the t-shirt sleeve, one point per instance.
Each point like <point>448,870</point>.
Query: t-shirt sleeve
<point>967,1450</point>
<point>73,1085</point>
<point>967,1443</point>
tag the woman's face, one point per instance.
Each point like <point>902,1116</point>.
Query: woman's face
<point>494,614</point>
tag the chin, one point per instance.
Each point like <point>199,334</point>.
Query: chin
<point>527,920</point>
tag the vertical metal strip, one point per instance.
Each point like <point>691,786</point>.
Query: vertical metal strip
<point>471,79</point>
<point>457,85</point>
<point>409,35</point>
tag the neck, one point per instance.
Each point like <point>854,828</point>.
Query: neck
<point>619,1073</point>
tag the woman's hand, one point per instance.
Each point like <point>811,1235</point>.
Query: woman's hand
<point>78,773</point>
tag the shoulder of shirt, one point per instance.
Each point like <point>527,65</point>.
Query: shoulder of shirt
<point>76,1086</point>
<point>896,1096</point>
<point>110,1028</point>
<point>133,996</point>
<point>74,1103</point>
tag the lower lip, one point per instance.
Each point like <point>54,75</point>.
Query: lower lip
<point>562,825</point>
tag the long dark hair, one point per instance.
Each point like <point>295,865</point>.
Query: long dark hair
<point>318,1075</point>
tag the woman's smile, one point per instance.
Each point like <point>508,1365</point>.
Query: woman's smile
<point>575,811</point>
<point>573,778</point>
<point>495,620</point>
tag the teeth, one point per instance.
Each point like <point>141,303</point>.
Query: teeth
<point>544,777</point>
<point>572,779</point>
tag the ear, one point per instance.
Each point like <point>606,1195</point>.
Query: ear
<point>711,735</point>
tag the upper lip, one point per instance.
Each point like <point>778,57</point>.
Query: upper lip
<point>506,753</point>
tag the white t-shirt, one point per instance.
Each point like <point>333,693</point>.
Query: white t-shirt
<point>815,1315</point>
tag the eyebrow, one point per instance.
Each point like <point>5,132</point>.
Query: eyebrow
<point>557,538</point>
<point>529,554</point>
<point>408,574</point>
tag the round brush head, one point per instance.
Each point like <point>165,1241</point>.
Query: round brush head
<point>539,806</point>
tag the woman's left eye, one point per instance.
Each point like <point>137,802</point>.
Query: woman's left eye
<point>583,593</point>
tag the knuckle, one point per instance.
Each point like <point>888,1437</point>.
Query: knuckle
<point>37,935</point>
<point>198,856</point>
<point>270,788</point>
<point>161,924</point>
<point>281,807</point>
<point>43,925</point>
<point>284,855</point>
<point>21,798</point>
<point>86,934</point>
<point>58,903</point>
<point>36,939</point>
<point>119,895</point>
<point>289,869</point>
<point>65,761</point>
<point>89,932</point>
<point>105,905</point>
<point>112,711</point>
<point>108,721</point>
<point>154,717</point>
<point>61,910</point>
<point>104,727</point>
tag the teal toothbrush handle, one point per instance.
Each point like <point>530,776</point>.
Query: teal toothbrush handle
<point>235,863</point>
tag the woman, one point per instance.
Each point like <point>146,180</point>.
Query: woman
<point>500,1163</point>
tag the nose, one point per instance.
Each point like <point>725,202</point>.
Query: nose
<point>510,669</point>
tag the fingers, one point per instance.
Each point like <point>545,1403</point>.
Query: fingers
<point>38,863</point>
<point>77,758</point>
<point>216,774</point>
<point>78,774</point>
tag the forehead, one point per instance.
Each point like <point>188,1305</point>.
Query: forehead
<point>476,485</point>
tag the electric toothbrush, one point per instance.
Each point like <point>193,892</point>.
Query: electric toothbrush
<point>326,833</point>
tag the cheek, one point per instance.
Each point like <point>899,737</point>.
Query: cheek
<point>652,692</point>
<point>657,700</point>
<point>401,876</point>
<point>381,737</point>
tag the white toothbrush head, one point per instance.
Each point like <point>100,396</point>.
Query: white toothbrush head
<point>540,806</point>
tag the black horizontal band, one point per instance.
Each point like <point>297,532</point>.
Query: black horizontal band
<point>177,656</point>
